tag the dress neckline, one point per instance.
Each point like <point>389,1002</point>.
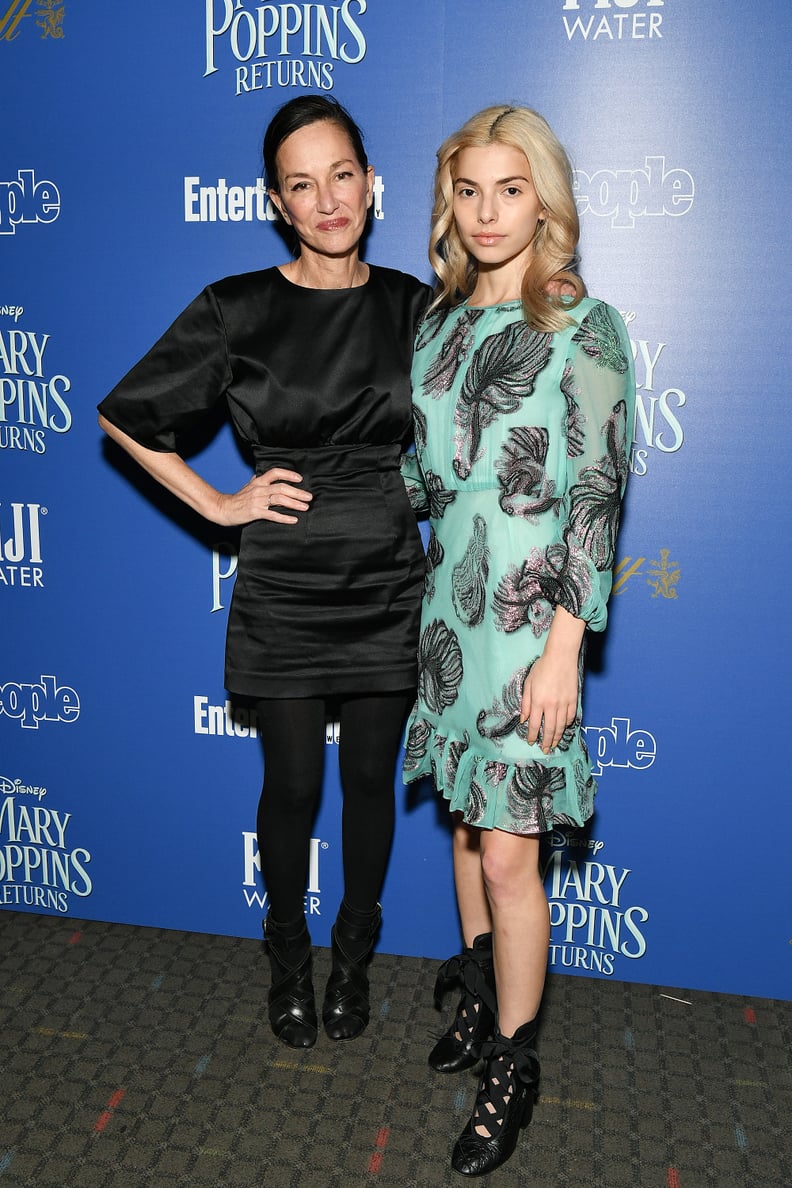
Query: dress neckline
<point>308,289</point>
<point>497,305</point>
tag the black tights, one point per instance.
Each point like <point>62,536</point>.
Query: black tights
<point>293,734</point>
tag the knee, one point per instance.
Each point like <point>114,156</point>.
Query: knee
<point>364,775</point>
<point>507,875</point>
<point>496,873</point>
<point>286,795</point>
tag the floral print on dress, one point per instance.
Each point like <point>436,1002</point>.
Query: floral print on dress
<point>528,594</point>
<point>527,489</point>
<point>417,740</point>
<point>530,795</point>
<point>469,577</point>
<point>439,666</point>
<point>501,373</point>
<point>455,752</point>
<point>419,430</point>
<point>434,557</point>
<point>503,716</point>
<point>575,423</point>
<point>456,347</point>
<point>476,804</point>
<point>438,498</point>
<point>595,500</point>
<point>599,338</point>
<point>524,455</point>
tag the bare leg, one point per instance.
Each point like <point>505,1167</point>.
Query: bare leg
<point>472,901</point>
<point>520,924</point>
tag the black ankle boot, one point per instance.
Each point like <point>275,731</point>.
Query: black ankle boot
<point>460,1046</point>
<point>292,1009</point>
<point>506,1096</point>
<point>345,1011</point>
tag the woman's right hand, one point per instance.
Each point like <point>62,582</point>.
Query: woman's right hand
<point>259,499</point>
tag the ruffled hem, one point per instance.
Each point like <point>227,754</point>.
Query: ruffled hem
<point>490,793</point>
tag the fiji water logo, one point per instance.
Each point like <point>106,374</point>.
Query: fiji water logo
<point>256,898</point>
<point>618,745</point>
<point>25,200</point>
<point>32,704</point>
<point>624,195</point>
<point>284,45</point>
<point>613,20</point>
<point>20,553</point>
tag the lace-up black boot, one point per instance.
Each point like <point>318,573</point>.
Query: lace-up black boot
<point>346,1009</point>
<point>292,1009</point>
<point>507,1092</point>
<point>472,969</point>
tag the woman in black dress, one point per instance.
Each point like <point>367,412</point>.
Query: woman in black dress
<point>313,360</point>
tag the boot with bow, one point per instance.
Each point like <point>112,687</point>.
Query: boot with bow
<point>507,1092</point>
<point>472,969</point>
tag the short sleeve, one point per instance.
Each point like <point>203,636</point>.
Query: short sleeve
<point>174,386</point>
<point>599,388</point>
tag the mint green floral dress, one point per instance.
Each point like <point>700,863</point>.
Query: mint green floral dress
<point>522,443</point>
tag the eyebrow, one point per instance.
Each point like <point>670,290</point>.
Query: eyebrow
<point>335,164</point>
<point>500,182</point>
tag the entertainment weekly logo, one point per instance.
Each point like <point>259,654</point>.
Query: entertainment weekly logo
<point>237,721</point>
<point>624,195</point>
<point>219,202</point>
<point>592,921</point>
<point>283,45</point>
<point>613,20</point>
<point>40,866</point>
<point>32,392</point>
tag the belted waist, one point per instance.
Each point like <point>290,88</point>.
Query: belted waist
<point>330,461</point>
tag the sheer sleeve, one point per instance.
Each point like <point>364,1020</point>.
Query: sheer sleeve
<point>177,382</point>
<point>599,387</point>
<point>414,482</point>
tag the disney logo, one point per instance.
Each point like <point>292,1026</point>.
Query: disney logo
<point>628,316</point>
<point>560,840</point>
<point>12,311</point>
<point>17,788</point>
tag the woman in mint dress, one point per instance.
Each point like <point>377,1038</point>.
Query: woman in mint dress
<point>523,407</point>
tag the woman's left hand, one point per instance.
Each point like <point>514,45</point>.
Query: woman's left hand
<point>550,693</point>
<point>550,699</point>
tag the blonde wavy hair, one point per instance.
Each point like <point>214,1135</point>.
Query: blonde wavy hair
<point>556,236</point>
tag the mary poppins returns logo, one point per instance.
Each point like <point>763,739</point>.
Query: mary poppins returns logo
<point>283,45</point>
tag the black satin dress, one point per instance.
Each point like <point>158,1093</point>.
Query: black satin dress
<point>316,380</point>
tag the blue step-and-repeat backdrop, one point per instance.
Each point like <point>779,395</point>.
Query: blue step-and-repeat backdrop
<point>129,178</point>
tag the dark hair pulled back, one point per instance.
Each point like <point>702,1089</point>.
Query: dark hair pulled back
<point>299,113</point>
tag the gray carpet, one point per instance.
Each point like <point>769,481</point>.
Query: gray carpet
<point>132,1056</point>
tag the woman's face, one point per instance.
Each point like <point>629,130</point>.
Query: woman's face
<point>496,208</point>
<point>324,191</point>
